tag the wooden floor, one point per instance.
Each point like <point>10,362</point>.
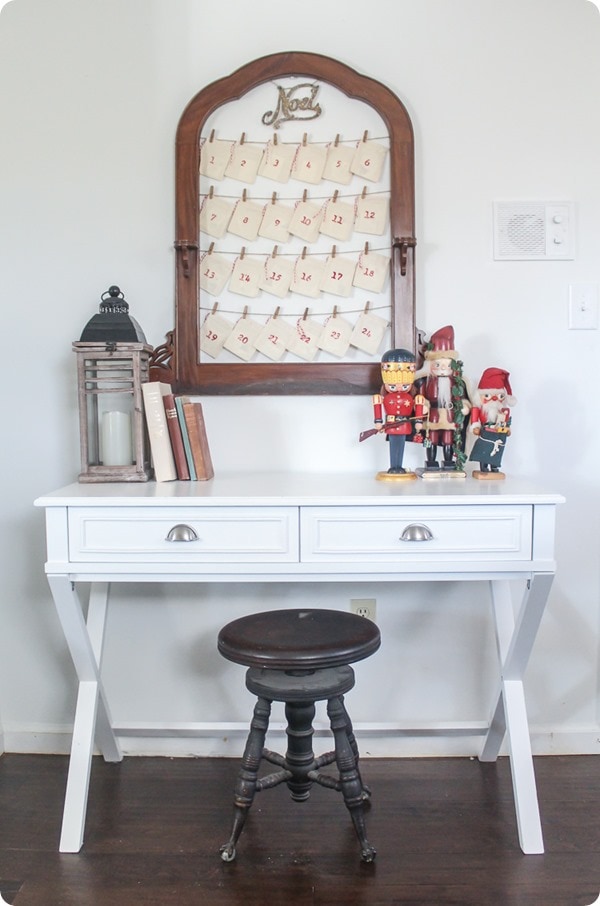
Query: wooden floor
<point>444,830</point>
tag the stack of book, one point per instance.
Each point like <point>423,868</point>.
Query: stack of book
<point>177,435</point>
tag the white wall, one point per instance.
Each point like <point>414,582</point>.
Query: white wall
<point>504,99</point>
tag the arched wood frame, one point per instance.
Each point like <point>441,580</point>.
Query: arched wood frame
<point>185,371</point>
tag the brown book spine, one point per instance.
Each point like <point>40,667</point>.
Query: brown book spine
<point>194,419</point>
<point>183,473</point>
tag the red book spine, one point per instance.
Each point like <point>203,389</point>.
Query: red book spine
<point>183,473</point>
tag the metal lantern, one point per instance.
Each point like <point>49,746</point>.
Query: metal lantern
<point>113,361</point>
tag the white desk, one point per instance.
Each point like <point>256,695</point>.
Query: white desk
<point>302,528</point>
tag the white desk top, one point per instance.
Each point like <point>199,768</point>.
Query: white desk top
<point>296,489</point>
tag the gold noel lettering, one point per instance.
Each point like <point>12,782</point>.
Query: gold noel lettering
<point>292,107</point>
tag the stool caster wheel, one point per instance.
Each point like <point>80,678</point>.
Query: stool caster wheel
<point>227,852</point>
<point>368,854</point>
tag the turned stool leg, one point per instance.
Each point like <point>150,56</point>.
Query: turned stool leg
<point>299,757</point>
<point>245,787</point>
<point>350,782</point>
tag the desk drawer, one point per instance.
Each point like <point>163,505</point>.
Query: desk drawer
<point>384,534</point>
<point>223,534</point>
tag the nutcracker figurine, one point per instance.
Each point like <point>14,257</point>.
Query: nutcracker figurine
<point>446,406</point>
<point>490,423</point>
<point>397,412</point>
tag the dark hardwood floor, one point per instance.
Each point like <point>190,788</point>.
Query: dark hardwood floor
<point>444,829</point>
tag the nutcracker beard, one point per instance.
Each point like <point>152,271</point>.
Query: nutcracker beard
<point>492,412</point>
<point>444,392</point>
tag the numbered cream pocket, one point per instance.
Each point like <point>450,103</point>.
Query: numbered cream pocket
<point>337,165</point>
<point>368,160</point>
<point>244,162</point>
<point>214,158</point>
<point>335,336</point>
<point>214,333</point>
<point>246,219</point>
<point>277,161</point>
<point>278,274</point>
<point>368,332</point>
<point>372,214</point>
<point>306,220</point>
<point>215,214</point>
<point>274,338</point>
<point>305,343</point>
<point>337,276</point>
<point>310,163</point>
<point>338,220</point>
<point>241,341</point>
<point>275,222</point>
<point>308,273</point>
<point>371,272</point>
<point>215,271</point>
<point>246,276</point>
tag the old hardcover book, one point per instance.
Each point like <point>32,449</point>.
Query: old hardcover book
<point>185,437</point>
<point>158,432</point>
<point>194,419</point>
<point>183,472</point>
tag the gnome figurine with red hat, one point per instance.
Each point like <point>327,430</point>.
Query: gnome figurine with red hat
<point>440,382</point>
<point>490,422</point>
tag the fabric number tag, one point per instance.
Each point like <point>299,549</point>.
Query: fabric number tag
<point>368,332</point>
<point>305,343</point>
<point>274,338</point>
<point>245,161</point>
<point>215,331</point>
<point>337,165</point>
<point>368,160</point>
<point>242,338</point>
<point>306,221</point>
<point>277,276</point>
<point>214,157</point>
<point>215,271</point>
<point>277,161</point>
<point>245,220</point>
<point>275,222</point>
<point>309,163</point>
<point>215,214</point>
<point>372,213</point>
<point>308,273</point>
<point>337,276</point>
<point>335,336</point>
<point>371,272</point>
<point>338,220</point>
<point>246,276</point>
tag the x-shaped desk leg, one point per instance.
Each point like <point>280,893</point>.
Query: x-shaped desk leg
<point>515,638</point>
<point>92,715</point>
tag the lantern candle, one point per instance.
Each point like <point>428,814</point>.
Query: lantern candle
<point>116,439</point>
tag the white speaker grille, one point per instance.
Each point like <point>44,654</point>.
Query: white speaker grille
<point>532,230</point>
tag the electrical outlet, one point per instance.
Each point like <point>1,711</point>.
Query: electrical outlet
<point>364,607</point>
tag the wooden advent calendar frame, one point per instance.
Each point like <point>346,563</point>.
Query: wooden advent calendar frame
<point>179,360</point>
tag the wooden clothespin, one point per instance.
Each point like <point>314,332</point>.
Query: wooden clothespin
<point>304,140</point>
<point>337,140</point>
<point>243,138</point>
<point>335,196</point>
<point>305,315</point>
<point>244,195</point>
<point>303,253</point>
<point>333,251</point>
<point>214,308</point>
<point>273,197</point>
<point>276,313</point>
<point>242,253</point>
<point>365,134</point>
<point>210,248</point>
<point>212,136</point>
<point>305,195</point>
<point>245,311</point>
<point>274,254</point>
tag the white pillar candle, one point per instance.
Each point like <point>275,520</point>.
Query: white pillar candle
<point>116,439</point>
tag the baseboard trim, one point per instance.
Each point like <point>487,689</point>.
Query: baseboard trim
<point>375,740</point>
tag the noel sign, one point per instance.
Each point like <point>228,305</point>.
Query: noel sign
<point>295,103</point>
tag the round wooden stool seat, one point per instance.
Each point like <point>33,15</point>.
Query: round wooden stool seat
<point>299,639</point>
<point>300,657</point>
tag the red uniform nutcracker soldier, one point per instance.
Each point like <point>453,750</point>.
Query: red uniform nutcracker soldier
<point>446,404</point>
<point>490,423</point>
<point>393,409</point>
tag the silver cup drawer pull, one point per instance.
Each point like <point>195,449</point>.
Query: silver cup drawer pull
<point>416,532</point>
<point>182,532</point>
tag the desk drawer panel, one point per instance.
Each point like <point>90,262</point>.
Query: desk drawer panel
<point>223,534</point>
<point>387,534</point>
